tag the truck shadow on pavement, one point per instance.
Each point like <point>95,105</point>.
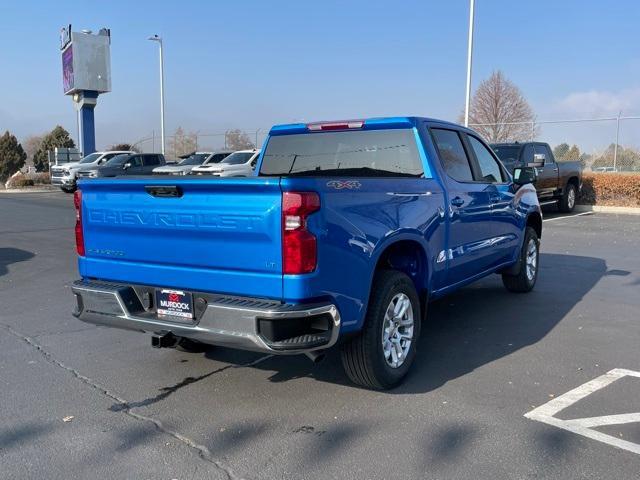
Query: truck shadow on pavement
<point>474,326</point>
<point>12,255</point>
<point>15,437</point>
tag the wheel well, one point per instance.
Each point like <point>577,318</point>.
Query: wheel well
<point>409,257</point>
<point>535,221</point>
<point>574,181</point>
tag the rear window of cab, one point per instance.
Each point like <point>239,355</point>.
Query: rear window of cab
<point>373,153</point>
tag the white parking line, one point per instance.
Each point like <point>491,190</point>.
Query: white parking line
<point>567,216</point>
<point>583,426</point>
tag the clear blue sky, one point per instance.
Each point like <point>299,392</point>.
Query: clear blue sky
<point>250,64</point>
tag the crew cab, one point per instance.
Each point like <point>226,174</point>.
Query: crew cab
<point>344,235</point>
<point>558,182</point>
<point>65,175</point>
<point>125,164</point>
<point>239,164</point>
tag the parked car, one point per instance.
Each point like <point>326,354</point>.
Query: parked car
<point>126,164</point>
<point>347,232</point>
<point>239,164</point>
<point>558,182</point>
<point>65,175</point>
<point>195,159</point>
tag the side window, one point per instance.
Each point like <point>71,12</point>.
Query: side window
<point>452,154</point>
<point>151,160</point>
<point>489,168</point>
<point>544,150</point>
<point>106,158</point>
<point>136,161</point>
<point>527,154</point>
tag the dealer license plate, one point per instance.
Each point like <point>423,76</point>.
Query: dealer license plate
<point>174,303</point>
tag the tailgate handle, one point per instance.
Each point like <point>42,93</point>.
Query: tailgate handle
<point>165,191</point>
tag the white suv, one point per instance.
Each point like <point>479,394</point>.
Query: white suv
<point>239,164</point>
<point>65,175</point>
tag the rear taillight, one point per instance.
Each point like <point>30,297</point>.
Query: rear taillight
<point>77,202</point>
<point>299,246</point>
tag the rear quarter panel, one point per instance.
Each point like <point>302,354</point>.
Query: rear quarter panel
<point>354,227</point>
<point>569,170</point>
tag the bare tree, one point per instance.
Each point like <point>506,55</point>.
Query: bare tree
<point>182,143</point>
<point>31,145</point>
<point>236,139</point>
<point>496,105</point>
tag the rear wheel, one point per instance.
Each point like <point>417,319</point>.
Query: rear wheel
<point>568,200</point>
<point>68,189</point>
<point>380,357</point>
<point>527,275</point>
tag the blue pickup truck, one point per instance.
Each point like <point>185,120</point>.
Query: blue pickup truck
<point>344,235</point>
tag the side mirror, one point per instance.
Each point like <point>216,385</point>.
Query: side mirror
<point>126,165</point>
<point>538,160</point>
<point>524,175</point>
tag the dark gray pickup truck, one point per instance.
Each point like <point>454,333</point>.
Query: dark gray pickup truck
<point>558,182</point>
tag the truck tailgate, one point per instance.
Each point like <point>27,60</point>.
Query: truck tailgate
<point>216,235</point>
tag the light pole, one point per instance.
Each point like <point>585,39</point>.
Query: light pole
<point>158,39</point>
<point>615,148</point>
<point>469,59</point>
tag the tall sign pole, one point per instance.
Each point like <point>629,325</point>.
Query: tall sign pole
<point>469,62</point>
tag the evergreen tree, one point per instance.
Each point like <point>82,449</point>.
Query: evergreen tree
<point>12,156</point>
<point>560,151</point>
<point>58,137</point>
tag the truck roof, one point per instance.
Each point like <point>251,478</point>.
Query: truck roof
<point>516,144</point>
<point>376,123</point>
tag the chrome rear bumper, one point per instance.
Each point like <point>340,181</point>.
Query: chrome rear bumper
<point>236,322</point>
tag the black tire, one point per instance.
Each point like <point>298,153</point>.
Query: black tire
<point>523,282</point>
<point>191,346</point>
<point>363,357</point>
<point>68,190</point>
<point>567,202</point>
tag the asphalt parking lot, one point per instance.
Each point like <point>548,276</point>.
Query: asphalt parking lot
<point>79,401</point>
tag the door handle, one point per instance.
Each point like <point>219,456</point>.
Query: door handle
<point>164,191</point>
<point>457,202</point>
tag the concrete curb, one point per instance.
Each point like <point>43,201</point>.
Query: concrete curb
<point>31,190</point>
<point>607,209</point>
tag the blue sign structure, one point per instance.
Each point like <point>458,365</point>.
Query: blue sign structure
<point>86,73</point>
